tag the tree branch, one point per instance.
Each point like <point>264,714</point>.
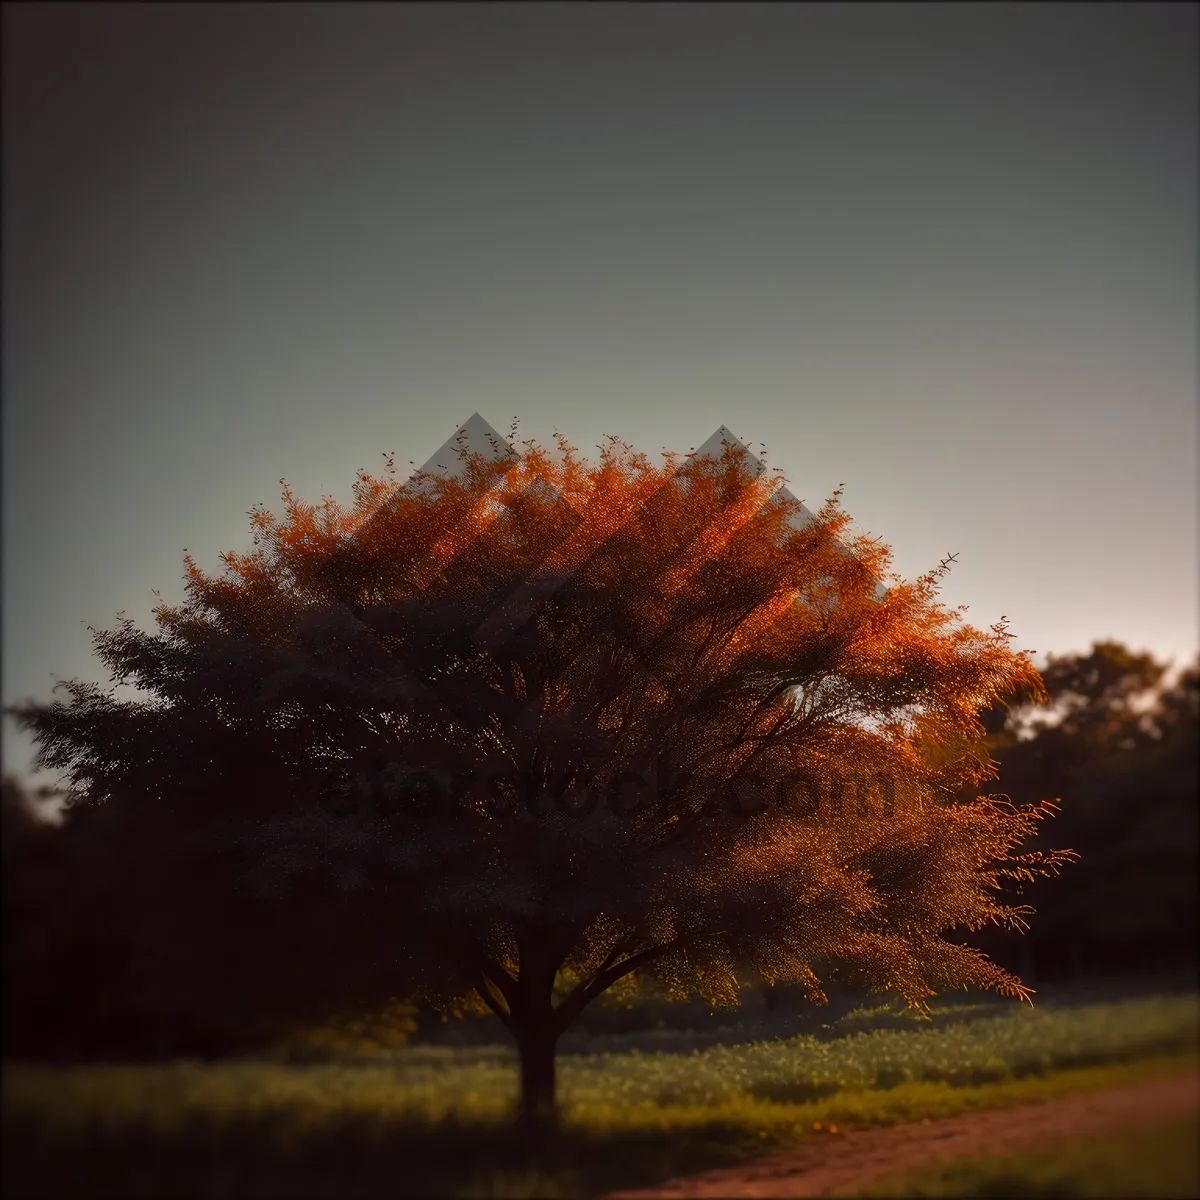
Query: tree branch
<point>499,978</point>
<point>492,997</point>
<point>605,977</point>
<point>583,983</point>
<point>496,987</point>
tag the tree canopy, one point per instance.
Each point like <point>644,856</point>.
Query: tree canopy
<point>505,736</point>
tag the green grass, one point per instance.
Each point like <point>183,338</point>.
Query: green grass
<point>434,1121</point>
<point>1162,1162</point>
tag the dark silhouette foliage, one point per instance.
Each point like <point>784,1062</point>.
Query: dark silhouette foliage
<point>1121,746</point>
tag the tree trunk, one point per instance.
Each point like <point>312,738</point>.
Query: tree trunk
<point>537,1044</point>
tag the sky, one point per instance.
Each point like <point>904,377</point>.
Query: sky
<point>944,255</point>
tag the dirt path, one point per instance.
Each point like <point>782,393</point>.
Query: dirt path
<point>825,1165</point>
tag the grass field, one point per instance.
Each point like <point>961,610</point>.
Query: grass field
<point>433,1120</point>
<point>1163,1163</point>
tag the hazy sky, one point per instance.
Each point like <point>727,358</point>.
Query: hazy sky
<point>943,254</point>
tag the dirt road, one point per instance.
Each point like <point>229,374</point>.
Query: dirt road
<point>824,1165</point>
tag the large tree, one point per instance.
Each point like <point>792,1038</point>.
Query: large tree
<point>508,735</point>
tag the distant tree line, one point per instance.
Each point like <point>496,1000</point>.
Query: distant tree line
<point>1119,746</point>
